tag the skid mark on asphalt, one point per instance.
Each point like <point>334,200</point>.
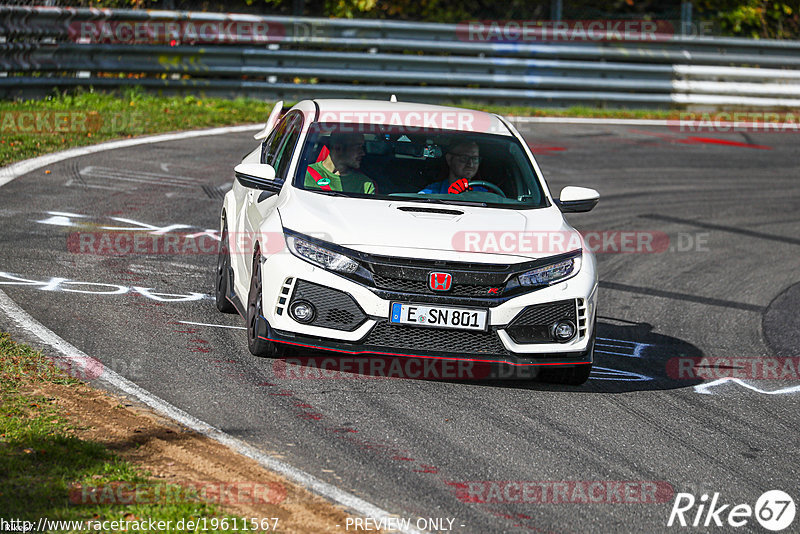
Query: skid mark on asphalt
<point>689,297</point>
<point>128,179</point>
<point>308,412</point>
<point>723,228</point>
<point>202,347</point>
<point>694,140</point>
<point>715,141</point>
<point>540,150</point>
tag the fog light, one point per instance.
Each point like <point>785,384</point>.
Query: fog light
<point>302,311</point>
<point>562,331</point>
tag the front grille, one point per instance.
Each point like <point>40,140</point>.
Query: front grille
<point>532,325</point>
<point>421,287</point>
<point>335,309</point>
<point>420,339</point>
<point>392,262</point>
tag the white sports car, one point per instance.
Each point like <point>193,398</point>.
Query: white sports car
<point>408,231</point>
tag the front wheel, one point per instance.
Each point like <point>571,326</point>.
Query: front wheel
<point>222,287</point>
<point>257,340</point>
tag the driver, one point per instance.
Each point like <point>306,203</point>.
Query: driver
<point>340,170</point>
<point>463,160</point>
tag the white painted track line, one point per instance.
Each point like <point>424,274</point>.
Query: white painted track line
<point>11,172</point>
<point>214,325</point>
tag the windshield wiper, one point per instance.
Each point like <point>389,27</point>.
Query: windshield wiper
<point>464,202</point>
<point>443,201</point>
<point>329,193</point>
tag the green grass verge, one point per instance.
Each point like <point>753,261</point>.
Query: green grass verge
<point>31,128</point>
<point>34,127</point>
<point>575,111</point>
<point>41,459</point>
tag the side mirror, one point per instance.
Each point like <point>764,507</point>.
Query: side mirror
<point>257,176</point>
<point>577,199</point>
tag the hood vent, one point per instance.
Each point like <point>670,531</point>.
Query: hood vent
<point>438,211</point>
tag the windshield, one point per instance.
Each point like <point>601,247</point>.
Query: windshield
<point>438,166</point>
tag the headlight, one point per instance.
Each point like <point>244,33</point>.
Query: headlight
<point>321,256</point>
<point>550,274</point>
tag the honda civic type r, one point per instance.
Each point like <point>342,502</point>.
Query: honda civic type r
<point>406,230</point>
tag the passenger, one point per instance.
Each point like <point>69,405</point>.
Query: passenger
<point>339,170</point>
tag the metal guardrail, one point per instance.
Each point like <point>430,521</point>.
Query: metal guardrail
<point>294,58</point>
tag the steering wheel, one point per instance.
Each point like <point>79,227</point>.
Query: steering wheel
<point>488,185</point>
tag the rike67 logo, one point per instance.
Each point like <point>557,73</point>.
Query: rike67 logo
<point>774,510</point>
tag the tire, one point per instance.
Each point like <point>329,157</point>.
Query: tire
<point>223,279</point>
<point>256,324</point>
<point>574,375</point>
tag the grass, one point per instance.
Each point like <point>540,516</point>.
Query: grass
<point>31,128</point>
<point>575,111</point>
<point>41,459</point>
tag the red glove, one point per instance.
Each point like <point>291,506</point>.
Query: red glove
<point>459,186</point>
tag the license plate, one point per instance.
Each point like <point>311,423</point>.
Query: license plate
<point>439,316</point>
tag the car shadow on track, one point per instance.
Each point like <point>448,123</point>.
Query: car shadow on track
<point>628,357</point>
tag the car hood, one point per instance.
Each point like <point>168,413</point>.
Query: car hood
<point>427,230</point>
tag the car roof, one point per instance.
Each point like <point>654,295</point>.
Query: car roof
<point>410,114</point>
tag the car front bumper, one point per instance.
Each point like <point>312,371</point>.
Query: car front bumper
<point>353,319</point>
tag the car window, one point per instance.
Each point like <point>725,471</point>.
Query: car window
<point>285,149</point>
<point>278,147</point>
<point>415,165</point>
<point>272,142</point>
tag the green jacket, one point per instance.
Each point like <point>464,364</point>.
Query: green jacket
<point>354,182</point>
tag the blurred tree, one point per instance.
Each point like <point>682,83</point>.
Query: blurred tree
<point>753,18</point>
<point>745,18</point>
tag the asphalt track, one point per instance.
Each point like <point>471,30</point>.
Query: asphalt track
<point>725,288</point>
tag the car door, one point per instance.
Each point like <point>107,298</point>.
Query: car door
<point>277,151</point>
